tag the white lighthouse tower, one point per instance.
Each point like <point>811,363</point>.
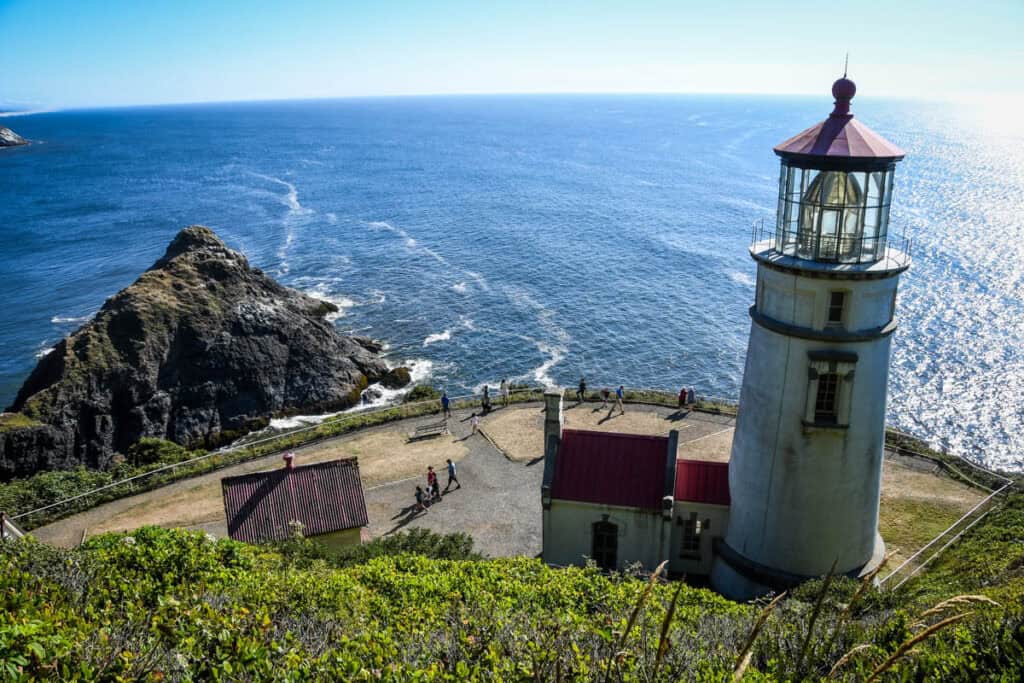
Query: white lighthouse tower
<point>806,463</point>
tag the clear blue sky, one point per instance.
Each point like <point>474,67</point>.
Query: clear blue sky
<point>97,53</point>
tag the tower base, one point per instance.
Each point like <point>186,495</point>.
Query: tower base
<point>739,578</point>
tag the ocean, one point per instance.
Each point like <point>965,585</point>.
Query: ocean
<point>534,238</point>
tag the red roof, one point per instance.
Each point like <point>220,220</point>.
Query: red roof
<point>700,481</point>
<point>324,497</point>
<point>840,136</point>
<point>611,469</point>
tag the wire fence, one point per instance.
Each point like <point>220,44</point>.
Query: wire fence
<point>263,446</point>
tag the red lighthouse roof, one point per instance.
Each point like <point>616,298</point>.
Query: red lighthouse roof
<point>840,136</point>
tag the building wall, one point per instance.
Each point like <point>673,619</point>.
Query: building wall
<point>644,536</point>
<point>714,520</point>
<point>805,496</point>
<point>337,540</point>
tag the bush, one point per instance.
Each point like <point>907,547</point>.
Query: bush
<point>151,451</point>
<point>422,392</point>
<point>302,551</point>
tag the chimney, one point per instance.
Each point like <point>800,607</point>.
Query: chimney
<point>289,461</point>
<point>552,441</point>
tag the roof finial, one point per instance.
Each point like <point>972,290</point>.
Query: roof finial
<point>846,64</point>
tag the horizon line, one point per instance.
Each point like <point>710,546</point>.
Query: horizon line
<point>8,112</point>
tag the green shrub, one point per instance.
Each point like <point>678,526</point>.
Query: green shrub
<point>422,392</point>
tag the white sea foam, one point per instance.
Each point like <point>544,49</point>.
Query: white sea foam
<point>320,291</point>
<point>742,278</point>
<point>332,218</point>
<point>27,112</point>
<point>434,338</point>
<point>69,320</point>
<point>460,287</point>
<point>296,214</point>
<point>43,352</point>
<point>420,369</point>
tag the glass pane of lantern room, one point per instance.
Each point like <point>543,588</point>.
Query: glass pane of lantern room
<point>827,246</point>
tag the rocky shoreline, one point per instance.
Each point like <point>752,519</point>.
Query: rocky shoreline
<point>8,138</point>
<point>200,350</point>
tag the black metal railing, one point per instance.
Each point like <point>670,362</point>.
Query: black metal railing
<point>833,248</point>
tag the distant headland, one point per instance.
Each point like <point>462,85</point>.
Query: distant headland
<point>8,138</point>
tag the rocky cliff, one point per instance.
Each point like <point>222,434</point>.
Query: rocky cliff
<point>200,349</point>
<point>8,138</point>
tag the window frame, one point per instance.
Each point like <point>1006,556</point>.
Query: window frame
<point>604,545</point>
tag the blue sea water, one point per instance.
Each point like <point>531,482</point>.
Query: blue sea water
<point>538,238</point>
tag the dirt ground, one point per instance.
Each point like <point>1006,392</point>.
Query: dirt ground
<point>499,502</point>
<point>385,454</point>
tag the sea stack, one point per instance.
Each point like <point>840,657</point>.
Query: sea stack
<point>8,138</point>
<point>199,350</point>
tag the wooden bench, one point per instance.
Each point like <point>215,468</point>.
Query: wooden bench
<point>432,429</point>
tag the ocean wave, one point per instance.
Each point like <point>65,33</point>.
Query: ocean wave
<point>741,278</point>
<point>69,320</point>
<point>320,291</point>
<point>297,213</point>
<point>44,352</point>
<point>420,369</point>
<point>26,112</point>
<point>460,287</point>
<point>434,338</point>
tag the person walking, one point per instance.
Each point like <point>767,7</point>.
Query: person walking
<point>581,391</point>
<point>604,397</point>
<point>452,478</point>
<point>445,404</point>
<point>485,403</point>
<point>432,487</point>
<point>620,393</point>
<point>691,396</point>
<point>420,507</point>
<point>682,398</point>
<point>474,421</point>
<point>504,392</point>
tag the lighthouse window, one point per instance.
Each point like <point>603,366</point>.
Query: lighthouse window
<point>825,403</point>
<point>836,302</point>
<point>605,548</point>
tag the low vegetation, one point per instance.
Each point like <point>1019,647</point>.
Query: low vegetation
<point>174,605</point>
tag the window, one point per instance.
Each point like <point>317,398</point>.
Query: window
<point>689,544</point>
<point>606,544</point>
<point>825,403</point>
<point>836,302</point>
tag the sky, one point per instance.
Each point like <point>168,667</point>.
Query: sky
<point>93,53</point>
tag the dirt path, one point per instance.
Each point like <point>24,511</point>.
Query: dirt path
<point>499,502</point>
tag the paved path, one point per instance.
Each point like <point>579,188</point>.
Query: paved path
<point>498,504</point>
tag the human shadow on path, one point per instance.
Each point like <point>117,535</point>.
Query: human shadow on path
<point>410,513</point>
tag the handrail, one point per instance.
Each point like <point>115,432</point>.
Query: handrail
<point>942,535</point>
<point>249,444</point>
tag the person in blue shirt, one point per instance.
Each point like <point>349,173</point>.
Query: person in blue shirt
<point>620,393</point>
<point>444,404</point>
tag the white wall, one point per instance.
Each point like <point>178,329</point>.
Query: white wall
<point>643,536</point>
<point>717,515</point>
<point>803,497</point>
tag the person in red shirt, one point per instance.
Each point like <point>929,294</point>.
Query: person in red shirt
<point>432,486</point>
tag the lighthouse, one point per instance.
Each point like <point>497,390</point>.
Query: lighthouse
<point>806,464</point>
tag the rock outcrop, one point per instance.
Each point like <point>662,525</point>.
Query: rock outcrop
<point>199,350</point>
<point>8,138</point>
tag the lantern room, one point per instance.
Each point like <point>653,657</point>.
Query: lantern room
<point>835,188</point>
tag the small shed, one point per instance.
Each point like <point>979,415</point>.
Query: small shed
<point>325,498</point>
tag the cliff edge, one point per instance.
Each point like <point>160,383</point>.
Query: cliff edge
<point>199,350</point>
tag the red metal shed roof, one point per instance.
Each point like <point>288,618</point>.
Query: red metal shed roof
<point>840,136</point>
<point>324,497</point>
<point>700,481</point>
<point>611,469</point>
